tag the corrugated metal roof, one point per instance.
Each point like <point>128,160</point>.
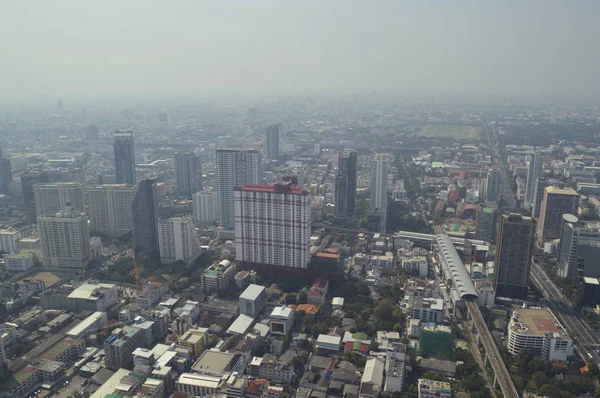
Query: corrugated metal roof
<point>454,266</point>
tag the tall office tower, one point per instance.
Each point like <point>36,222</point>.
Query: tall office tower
<point>379,188</point>
<point>60,106</point>
<point>567,266</point>
<point>52,198</point>
<point>515,238</point>
<point>206,209</point>
<point>492,195</point>
<point>272,224</point>
<point>540,184</point>
<point>487,218</point>
<point>124,157</point>
<point>28,180</point>
<point>109,208</point>
<point>178,240</point>
<point>65,239</point>
<point>144,213</point>
<point>6,175</point>
<point>345,189</point>
<point>534,171</point>
<point>234,169</point>
<point>188,174</point>
<point>556,202</point>
<point>91,132</point>
<point>272,142</point>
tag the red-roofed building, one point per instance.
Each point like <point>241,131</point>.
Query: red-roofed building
<point>318,292</point>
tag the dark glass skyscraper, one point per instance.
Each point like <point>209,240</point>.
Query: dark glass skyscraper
<point>6,175</point>
<point>515,238</point>
<point>345,188</point>
<point>144,210</point>
<point>188,174</point>
<point>124,158</point>
<point>272,142</point>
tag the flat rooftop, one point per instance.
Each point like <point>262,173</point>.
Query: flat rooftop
<point>252,292</point>
<point>88,291</point>
<point>535,322</point>
<point>214,361</point>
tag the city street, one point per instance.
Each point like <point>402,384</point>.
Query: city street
<point>585,340</point>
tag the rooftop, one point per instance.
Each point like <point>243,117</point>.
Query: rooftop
<point>561,191</point>
<point>241,324</point>
<point>536,322</point>
<point>281,312</point>
<point>252,292</point>
<point>90,290</point>
<point>214,361</point>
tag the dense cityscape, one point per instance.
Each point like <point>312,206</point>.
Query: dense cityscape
<point>358,246</point>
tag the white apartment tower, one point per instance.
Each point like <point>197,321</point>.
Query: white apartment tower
<point>177,240</point>
<point>109,209</point>
<point>272,224</point>
<point>379,187</point>
<point>51,198</point>
<point>65,239</point>
<point>235,168</point>
<point>205,207</point>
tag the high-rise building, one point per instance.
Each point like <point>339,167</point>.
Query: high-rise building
<point>52,198</point>
<point>487,218</point>
<point>144,210</point>
<point>109,209</point>
<point>515,238</point>
<point>178,240</point>
<point>65,239</point>
<point>557,201</point>
<point>235,168</point>
<point>6,175</point>
<point>124,158</point>
<point>272,225</point>
<point>28,180</point>
<point>492,195</point>
<point>272,142</point>
<point>540,184</point>
<point>379,188</point>
<point>534,171</point>
<point>188,174</point>
<point>205,207</point>
<point>345,188</point>
<point>567,265</point>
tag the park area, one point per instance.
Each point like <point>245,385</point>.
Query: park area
<point>457,132</point>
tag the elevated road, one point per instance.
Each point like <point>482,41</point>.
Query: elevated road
<point>491,351</point>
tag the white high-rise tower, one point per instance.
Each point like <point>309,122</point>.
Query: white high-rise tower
<point>379,187</point>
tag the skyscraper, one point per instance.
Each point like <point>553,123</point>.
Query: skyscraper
<point>28,180</point>
<point>188,174</point>
<point>109,208</point>
<point>52,198</point>
<point>567,265</point>
<point>272,142</point>
<point>65,239</point>
<point>487,218</point>
<point>272,224</point>
<point>540,184</point>
<point>205,207</point>
<point>379,188</point>
<point>234,168</point>
<point>557,201</point>
<point>144,210</point>
<point>345,189</point>
<point>91,132</point>
<point>492,195</point>
<point>124,158</point>
<point>6,175</point>
<point>534,171</point>
<point>515,238</point>
<point>178,240</point>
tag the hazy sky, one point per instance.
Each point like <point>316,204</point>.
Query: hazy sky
<point>66,48</point>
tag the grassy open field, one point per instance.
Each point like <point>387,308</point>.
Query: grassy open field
<point>457,132</point>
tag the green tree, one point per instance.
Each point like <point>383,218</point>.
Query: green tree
<point>302,298</point>
<point>548,390</point>
<point>291,298</point>
<point>385,311</point>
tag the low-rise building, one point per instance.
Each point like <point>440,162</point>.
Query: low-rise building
<point>281,321</point>
<point>330,343</point>
<point>252,300</point>
<point>89,325</point>
<point>195,339</point>
<point>218,277</point>
<point>434,389</point>
<point>20,261</point>
<point>415,264</point>
<point>119,346</point>
<point>199,385</point>
<point>278,370</point>
<point>394,374</point>
<point>426,309</point>
<point>538,331</point>
<point>87,296</point>
<point>371,383</point>
<point>220,364</point>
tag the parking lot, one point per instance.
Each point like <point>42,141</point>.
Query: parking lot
<point>75,386</point>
